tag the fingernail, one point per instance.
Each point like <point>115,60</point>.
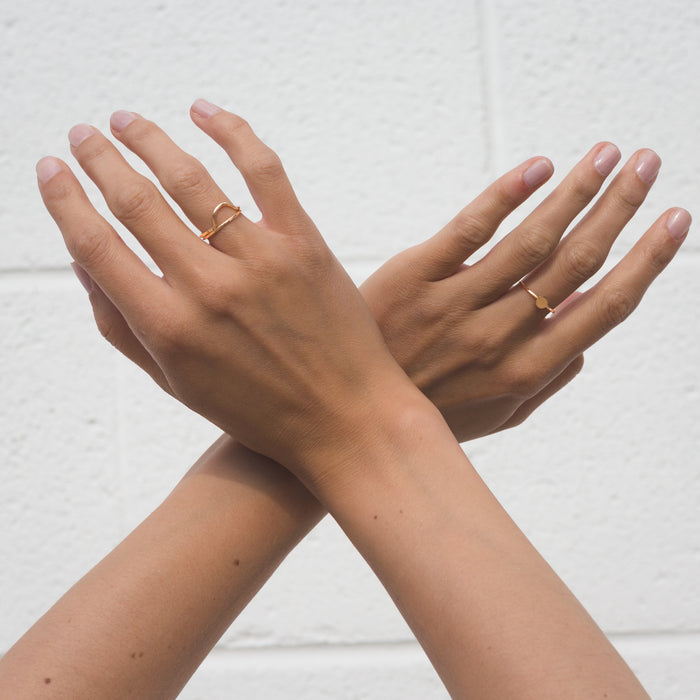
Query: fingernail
<point>79,133</point>
<point>205,109</point>
<point>538,172</point>
<point>47,167</point>
<point>82,276</point>
<point>647,167</point>
<point>121,119</point>
<point>607,158</point>
<point>678,224</point>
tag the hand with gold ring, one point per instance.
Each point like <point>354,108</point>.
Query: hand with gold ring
<point>465,335</point>
<point>479,339</point>
<point>239,329</point>
<point>253,330</point>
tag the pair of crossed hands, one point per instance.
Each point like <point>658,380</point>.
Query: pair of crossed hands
<point>354,392</point>
<point>262,331</point>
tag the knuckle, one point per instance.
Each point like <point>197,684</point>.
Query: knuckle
<point>658,257</point>
<point>505,196</point>
<point>616,305</point>
<point>534,246</point>
<point>470,228</point>
<point>236,124</point>
<point>91,246</point>
<point>520,383</point>
<point>266,165</point>
<point>628,199</point>
<point>216,296</point>
<point>92,149</point>
<point>168,337</point>
<point>134,201</point>
<point>523,380</point>
<point>187,178</point>
<point>582,188</point>
<point>581,261</point>
<point>488,349</point>
<point>220,300</point>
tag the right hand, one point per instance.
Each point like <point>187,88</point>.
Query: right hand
<point>471,338</point>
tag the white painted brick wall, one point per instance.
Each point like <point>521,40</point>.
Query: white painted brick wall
<point>390,115</point>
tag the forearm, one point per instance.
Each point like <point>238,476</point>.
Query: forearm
<point>146,616</point>
<point>493,617</point>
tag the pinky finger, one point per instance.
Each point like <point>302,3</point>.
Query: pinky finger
<point>93,243</point>
<point>114,328</point>
<point>601,308</point>
<point>531,405</point>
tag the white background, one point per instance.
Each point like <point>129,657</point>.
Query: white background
<point>390,116</point>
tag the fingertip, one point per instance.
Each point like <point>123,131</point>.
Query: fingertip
<point>607,157</point>
<point>538,172</point>
<point>79,133</point>
<point>120,120</point>
<point>678,223</point>
<point>203,109</point>
<point>647,165</point>
<point>47,168</point>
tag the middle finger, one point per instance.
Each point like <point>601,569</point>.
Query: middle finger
<point>135,201</point>
<point>185,179</point>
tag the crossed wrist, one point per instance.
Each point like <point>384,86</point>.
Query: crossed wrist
<point>378,438</point>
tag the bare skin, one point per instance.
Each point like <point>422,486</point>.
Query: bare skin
<point>418,466</point>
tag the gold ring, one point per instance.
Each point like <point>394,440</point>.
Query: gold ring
<point>218,226</point>
<point>540,301</point>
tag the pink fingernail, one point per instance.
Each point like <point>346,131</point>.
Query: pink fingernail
<point>47,167</point>
<point>678,224</point>
<point>538,172</point>
<point>83,277</point>
<point>647,167</point>
<point>205,109</point>
<point>121,119</point>
<point>79,133</point>
<point>607,158</point>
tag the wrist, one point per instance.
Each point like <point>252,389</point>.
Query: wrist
<point>379,439</point>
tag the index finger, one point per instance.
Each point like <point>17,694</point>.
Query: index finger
<point>94,244</point>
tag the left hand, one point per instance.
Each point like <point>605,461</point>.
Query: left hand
<point>471,338</point>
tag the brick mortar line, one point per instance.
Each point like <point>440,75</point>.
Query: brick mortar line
<point>43,276</point>
<point>629,640</point>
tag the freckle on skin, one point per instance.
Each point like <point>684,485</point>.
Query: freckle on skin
<point>237,562</point>
<point>140,654</point>
<point>375,517</point>
<point>47,680</point>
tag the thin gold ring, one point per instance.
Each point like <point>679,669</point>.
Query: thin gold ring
<point>540,301</point>
<point>215,226</point>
